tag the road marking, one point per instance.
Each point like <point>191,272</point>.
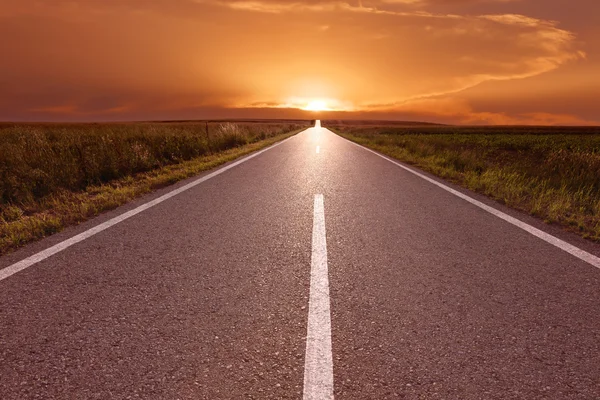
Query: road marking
<point>57,248</point>
<point>553,240</point>
<point>318,149</point>
<point>318,362</point>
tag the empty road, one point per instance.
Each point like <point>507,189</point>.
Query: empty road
<point>315,269</point>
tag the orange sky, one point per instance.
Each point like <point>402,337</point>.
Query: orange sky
<point>452,61</point>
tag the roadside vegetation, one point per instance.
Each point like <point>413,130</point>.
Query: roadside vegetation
<point>551,173</point>
<point>55,175</point>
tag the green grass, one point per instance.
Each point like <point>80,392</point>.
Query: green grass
<point>53,176</point>
<point>551,173</point>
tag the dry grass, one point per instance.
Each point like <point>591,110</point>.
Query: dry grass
<point>552,173</point>
<point>52,176</point>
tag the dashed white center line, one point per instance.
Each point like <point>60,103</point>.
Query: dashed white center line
<point>318,149</point>
<point>318,364</point>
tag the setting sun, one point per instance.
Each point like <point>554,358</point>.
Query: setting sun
<point>317,105</point>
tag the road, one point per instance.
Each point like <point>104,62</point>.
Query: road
<point>314,269</point>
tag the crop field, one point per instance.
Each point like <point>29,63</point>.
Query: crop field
<point>54,175</point>
<point>549,172</point>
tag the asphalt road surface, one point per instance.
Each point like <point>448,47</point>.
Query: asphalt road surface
<point>314,269</point>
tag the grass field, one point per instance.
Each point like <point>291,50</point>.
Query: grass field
<point>549,172</point>
<point>55,175</point>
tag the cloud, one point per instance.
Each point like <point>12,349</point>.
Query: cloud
<point>455,110</point>
<point>444,2</point>
<point>485,47</point>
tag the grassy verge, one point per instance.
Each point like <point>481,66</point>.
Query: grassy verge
<point>55,186</point>
<point>551,173</point>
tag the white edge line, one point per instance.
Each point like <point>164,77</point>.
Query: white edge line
<point>318,361</point>
<point>57,248</point>
<point>553,240</point>
<point>318,149</point>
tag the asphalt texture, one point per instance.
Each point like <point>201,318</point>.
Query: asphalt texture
<point>205,296</point>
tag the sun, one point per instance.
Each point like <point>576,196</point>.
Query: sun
<point>317,105</point>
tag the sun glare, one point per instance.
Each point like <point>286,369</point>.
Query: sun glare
<point>317,105</point>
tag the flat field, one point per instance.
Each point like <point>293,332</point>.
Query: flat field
<point>54,175</point>
<point>549,172</point>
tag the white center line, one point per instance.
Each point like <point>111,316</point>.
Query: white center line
<point>318,364</point>
<point>57,248</point>
<point>318,149</point>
